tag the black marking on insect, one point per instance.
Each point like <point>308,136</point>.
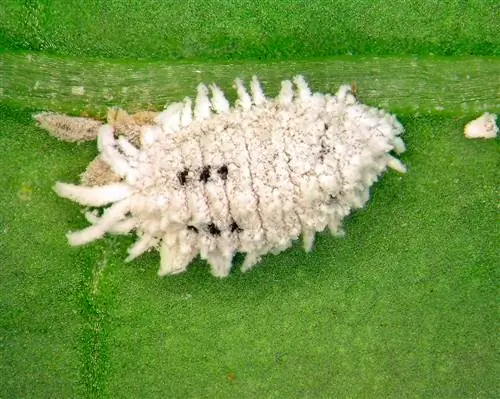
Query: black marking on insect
<point>205,174</point>
<point>213,229</point>
<point>324,150</point>
<point>192,228</point>
<point>335,197</point>
<point>235,228</point>
<point>182,176</point>
<point>223,171</point>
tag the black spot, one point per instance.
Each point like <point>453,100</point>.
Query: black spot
<point>335,197</point>
<point>192,228</point>
<point>182,176</point>
<point>326,127</point>
<point>234,227</point>
<point>223,171</point>
<point>212,229</point>
<point>205,174</point>
<point>323,151</point>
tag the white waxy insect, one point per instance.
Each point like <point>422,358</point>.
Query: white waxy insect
<point>213,180</point>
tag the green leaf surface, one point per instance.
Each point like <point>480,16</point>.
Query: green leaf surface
<point>404,306</point>
<point>246,29</point>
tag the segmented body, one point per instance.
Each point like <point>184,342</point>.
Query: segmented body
<point>251,179</point>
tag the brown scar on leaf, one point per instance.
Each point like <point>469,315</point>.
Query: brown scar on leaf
<point>231,377</point>
<point>354,89</point>
<point>78,129</point>
<point>25,192</point>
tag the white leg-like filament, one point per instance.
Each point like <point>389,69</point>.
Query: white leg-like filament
<point>219,101</point>
<point>244,100</point>
<point>251,259</point>
<point>105,137</point>
<point>285,96</point>
<point>85,236</point>
<point>106,145</point>
<point>202,104</point>
<point>173,260</point>
<point>219,264</point>
<point>113,214</point>
<point>395,164</point>
<point>92,217</point>
<point>303,90</point>
<point>308,239</point>
<point>187,112</point>
<point>95,195</point>
<point>170,119</point>
<point>335,226</point>
<point>399,145</point>
<point>121,228</point>
<point>143,244</point>
<point>124,226</point>
<point>258,96</point>
<point>127,148</point>
<point>344,94</point>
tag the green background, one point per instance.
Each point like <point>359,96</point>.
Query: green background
<point>404,306</point>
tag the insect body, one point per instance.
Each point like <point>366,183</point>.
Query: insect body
<point>214,180</point>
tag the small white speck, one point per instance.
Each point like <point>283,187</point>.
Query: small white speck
<point>78,90</point>
<point>439,108</point>
<point>36,85</point>
<point>483,127</point>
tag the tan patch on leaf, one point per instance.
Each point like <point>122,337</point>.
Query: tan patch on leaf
<point>25,192</point>
<point>98,173</point>
<point>68,128</point>
<point>231,377</point>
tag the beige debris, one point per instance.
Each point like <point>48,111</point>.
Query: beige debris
<point>76,129</point>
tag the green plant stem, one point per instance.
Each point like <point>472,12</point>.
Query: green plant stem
<point>451,85</point>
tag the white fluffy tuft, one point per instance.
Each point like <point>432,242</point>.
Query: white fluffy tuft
<point>244,100</point>
<point>286,94</point>
<point>187,112</point>
<point>303,90</point>
<point>111,216</point>
<point>202,107</point>
<point>219,101</point>
<point>93,196</point>
<point>258,96</point>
